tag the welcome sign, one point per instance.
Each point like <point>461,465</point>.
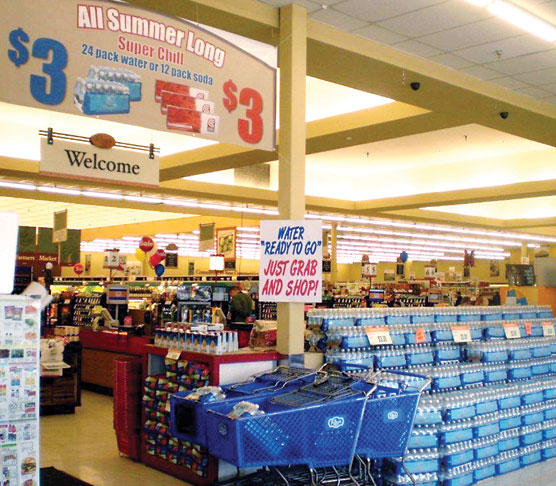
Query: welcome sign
<point>86,162</point>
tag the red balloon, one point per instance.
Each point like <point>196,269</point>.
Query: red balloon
<point>78,268</point>
<point>146,244</point>
<point>162,254</point>
<point>155,259</point>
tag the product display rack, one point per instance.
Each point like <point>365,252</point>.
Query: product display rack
<point>491,407</point>
<point>83,308</point>
<point>267,311</point>
<point>206,369</point>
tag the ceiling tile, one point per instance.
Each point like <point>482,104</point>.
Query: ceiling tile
<point>535,92</point>
<point>452,61</point>
<point>417,48</point>
<point>481,72</point>
<point>374,10</point>
<point>376,33</point>
<point>550,87</point>
<point>474,34</point>
<point>337,19</point>
<point>509,48</point>
<point>525,64</point>
<point>308,4</point>
<point>442,16</point>
<point>508,82</point>
<point>538,78</point>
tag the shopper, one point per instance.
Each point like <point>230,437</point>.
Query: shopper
<point>241,305</point>
<point>459,298</point>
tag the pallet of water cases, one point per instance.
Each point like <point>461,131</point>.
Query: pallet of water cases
<point>320,424</point>
<point>187,413</point>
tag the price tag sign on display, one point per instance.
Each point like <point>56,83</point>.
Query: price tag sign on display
<point>420,336</point>
<point>528,328</point>
<point>173,354</point>
<point>379,336</point>
<point>511,330</point>
<point>461,334</point>
<point>548,329</point>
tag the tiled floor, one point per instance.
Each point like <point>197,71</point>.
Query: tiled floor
<point>84,445</point>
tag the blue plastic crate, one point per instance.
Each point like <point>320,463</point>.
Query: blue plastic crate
<point>391,361</point>
<point>492,376</point>
<point>423,438</point>
<point>419,357</point>
<point>442,335</point>
<point>528,315</point>
<point>548,452</point>
<point>540,369</point>
<point>517,354</point>
<point>510,316</point>
<point>486,407</point>
<point>453,436</point>
<point>445,318</point>
<point>491,317</point>
<point>351,342</point>
<point>466,411</point>
<point>508,444</point>
<point>422,319</point>
<point>510,422</point>
<point>486,451</point>
<point>531,438</point>
<point>494,331</point>
<point>484,472</point>
<point>418,466</point>
<point>541,351</point>
<point>371,321</point>
<point>509,402</point>
<point>457,458</point>
<point>531,458</point>
<point>443,383</point>
<point>468,317</point>
<point>550,414</point>
<point>476,333</point>
<point>519,372</point>
<point>486,430</point>
<point>532,418</point>
<point>530,398</point>
<point>398,338</point>
<point>470,378</point>
<point>462,480</point>
<point>444,354</point>
<point>537,330</point>
<point>508,466</point>
<point>398,319</point>
<point>428,417</point>
<point>550,433</point>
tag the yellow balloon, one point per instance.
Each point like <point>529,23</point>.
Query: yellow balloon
<point>140,255</point>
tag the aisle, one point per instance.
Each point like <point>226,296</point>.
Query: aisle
<point>84,445</point>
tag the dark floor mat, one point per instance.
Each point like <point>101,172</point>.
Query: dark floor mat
<point>50,476</point>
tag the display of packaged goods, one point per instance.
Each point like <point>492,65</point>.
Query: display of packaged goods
<point>182,89</point>
<point>178,100</point>
<point>118,75</point>
<point>101,97</point>
<point>192,121</point>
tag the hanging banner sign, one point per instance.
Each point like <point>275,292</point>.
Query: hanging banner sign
<point>117,62</point>
<point>86,162</point>
<point>60,228</point>
<point>290,269</point>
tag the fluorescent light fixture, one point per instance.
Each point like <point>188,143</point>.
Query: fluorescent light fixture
<point>480,3</point>
<point>59,190</point>
<point>176,202</point>
<point>17,185</point>
<point>523,19</point>
<point>143,199</point>
<point>103,195</point>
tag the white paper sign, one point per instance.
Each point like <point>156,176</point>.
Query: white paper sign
<point>291,261</point>
<point>8,250</point>
<point>461,334</point>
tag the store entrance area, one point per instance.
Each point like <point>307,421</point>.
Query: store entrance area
<point>84,445</point>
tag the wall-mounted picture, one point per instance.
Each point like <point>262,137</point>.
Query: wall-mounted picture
<point>389,275</point>
<point>226,242</point>
<point>494,268</point>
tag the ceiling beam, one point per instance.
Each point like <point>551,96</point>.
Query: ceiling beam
<point>529,223</point>
<point>384,122</point>
<point>438,217</point>
<point>520,190</point>
<point>353,61</point>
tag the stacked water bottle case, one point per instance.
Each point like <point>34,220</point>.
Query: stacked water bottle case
<point>491,406</point>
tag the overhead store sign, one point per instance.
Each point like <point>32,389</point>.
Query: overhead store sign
<point>290,269</point>
<point>126,64</point>
<point>87,162</point>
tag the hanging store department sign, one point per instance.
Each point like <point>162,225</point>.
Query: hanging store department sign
<point>109,60</point>
<point>87,162</point>
<point>290,269</point>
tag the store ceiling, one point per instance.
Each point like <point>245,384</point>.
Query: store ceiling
<point>453,33</point>
<point>80,216</point>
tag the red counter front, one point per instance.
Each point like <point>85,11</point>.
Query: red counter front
<point>99,350</point>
